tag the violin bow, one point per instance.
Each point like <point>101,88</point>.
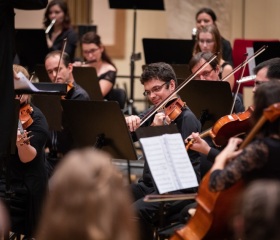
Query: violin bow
<point>183,84</point>
<point>62,52</point>
<point>263,48</point>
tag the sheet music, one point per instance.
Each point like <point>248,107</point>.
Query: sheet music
<point>169,162</point>
<point>24,83</point>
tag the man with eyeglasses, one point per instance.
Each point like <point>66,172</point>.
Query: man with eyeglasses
<point>159,82</point>
<point>210,73</point>
<point>266,71</point>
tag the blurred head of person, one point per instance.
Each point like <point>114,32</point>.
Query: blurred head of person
<point>205,17</point>
<point>87,200</point>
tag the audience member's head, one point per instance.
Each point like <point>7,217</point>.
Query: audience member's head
<point>258,212</point>
<point>87,200</point>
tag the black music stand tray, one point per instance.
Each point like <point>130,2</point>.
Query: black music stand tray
<point>100,124</point>
<point>208,100</point>
<point>172,51</point>
<point>272,51</point>
<point>51,108</point>
<point>86,77</point>
<point>142,5</point>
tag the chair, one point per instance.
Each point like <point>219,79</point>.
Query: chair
<point>118,95</point>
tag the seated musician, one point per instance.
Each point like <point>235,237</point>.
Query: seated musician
<point>26,176</point>
<point>61,141</point>
<point>159,82</point>
<point>259,159</point>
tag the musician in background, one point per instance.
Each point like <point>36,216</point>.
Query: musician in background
<point>260,158</point>
<point>159,81</point>
<point>26,173</point>
<point>208,39</point>
<point>205,17</point>
<point>269,69</point>
<point>61,141</point>
<point>95,55</point>
<point>61,29</point>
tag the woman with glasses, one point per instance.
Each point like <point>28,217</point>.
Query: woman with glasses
<point>208,39</point>
<point>159,82</point>
<point>205,17</point>
<point>58,27</point>
<point>95,55</point>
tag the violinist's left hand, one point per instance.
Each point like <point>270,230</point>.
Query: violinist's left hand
<point>228,153</point>
<point>161,119</point>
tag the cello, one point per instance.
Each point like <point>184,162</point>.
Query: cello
<point>212,212</point>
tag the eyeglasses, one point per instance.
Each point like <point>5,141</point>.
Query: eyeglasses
<point>258,83</point>
<point>91,51</point>
<point>155,89</point>
<point>207,41</point>
<point>204,74</point>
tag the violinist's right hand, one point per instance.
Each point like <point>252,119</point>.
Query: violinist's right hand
<point>133,122</point>
<point>198,144</point>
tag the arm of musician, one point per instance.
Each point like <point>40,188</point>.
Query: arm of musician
<point>49,41</point>
<point>26,152</point>
<point>105,87</point>
<point>226,71</point>
<point>199,144</point>
<point>161,119</point>
<point>227,154</point>
<point>133,122</point>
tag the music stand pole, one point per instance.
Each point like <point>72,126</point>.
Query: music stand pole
<point>134,57</point>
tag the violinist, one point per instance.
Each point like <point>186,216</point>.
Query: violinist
<point>259,160</point>
<point>159,82</point>
<point>61,141</point>
<point>64,74</point>
<point>27,173</point>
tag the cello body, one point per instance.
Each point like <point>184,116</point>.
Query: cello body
<point>210,221</point>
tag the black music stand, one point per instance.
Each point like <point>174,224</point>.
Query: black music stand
<point>51,108</point>
<point>31,47</point>
<point>100,124</point>
<point>208,100</point>
<point>41,73</point>
<point>172,51</point>
<point>272,51</point>
<point>86,77</point>
<point>142,5</point>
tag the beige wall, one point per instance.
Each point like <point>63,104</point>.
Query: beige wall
<point>236,19</point>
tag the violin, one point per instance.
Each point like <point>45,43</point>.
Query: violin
<point>25,116</point>
<point>213,208</point>
<point>174,108</point>
<point>226,127</point>
<point>25,121</point>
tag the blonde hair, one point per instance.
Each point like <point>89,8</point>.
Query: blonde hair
<point>87,201</point>
<point>18,68</point>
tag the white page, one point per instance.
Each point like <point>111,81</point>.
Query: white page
<point>169,162</point>
<point>24,83</point>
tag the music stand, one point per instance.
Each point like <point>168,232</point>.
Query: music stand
<point>135,4</point>
<point>86,77</point>
<point>31,47</point>
<point>272,51</point>
<point>208,100</point>
<point>100,124</point>
<point>41,73</point>
<point>51,108</point>
<point>172,51</point>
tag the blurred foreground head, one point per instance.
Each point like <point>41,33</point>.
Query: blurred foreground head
<point>87,200</point>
